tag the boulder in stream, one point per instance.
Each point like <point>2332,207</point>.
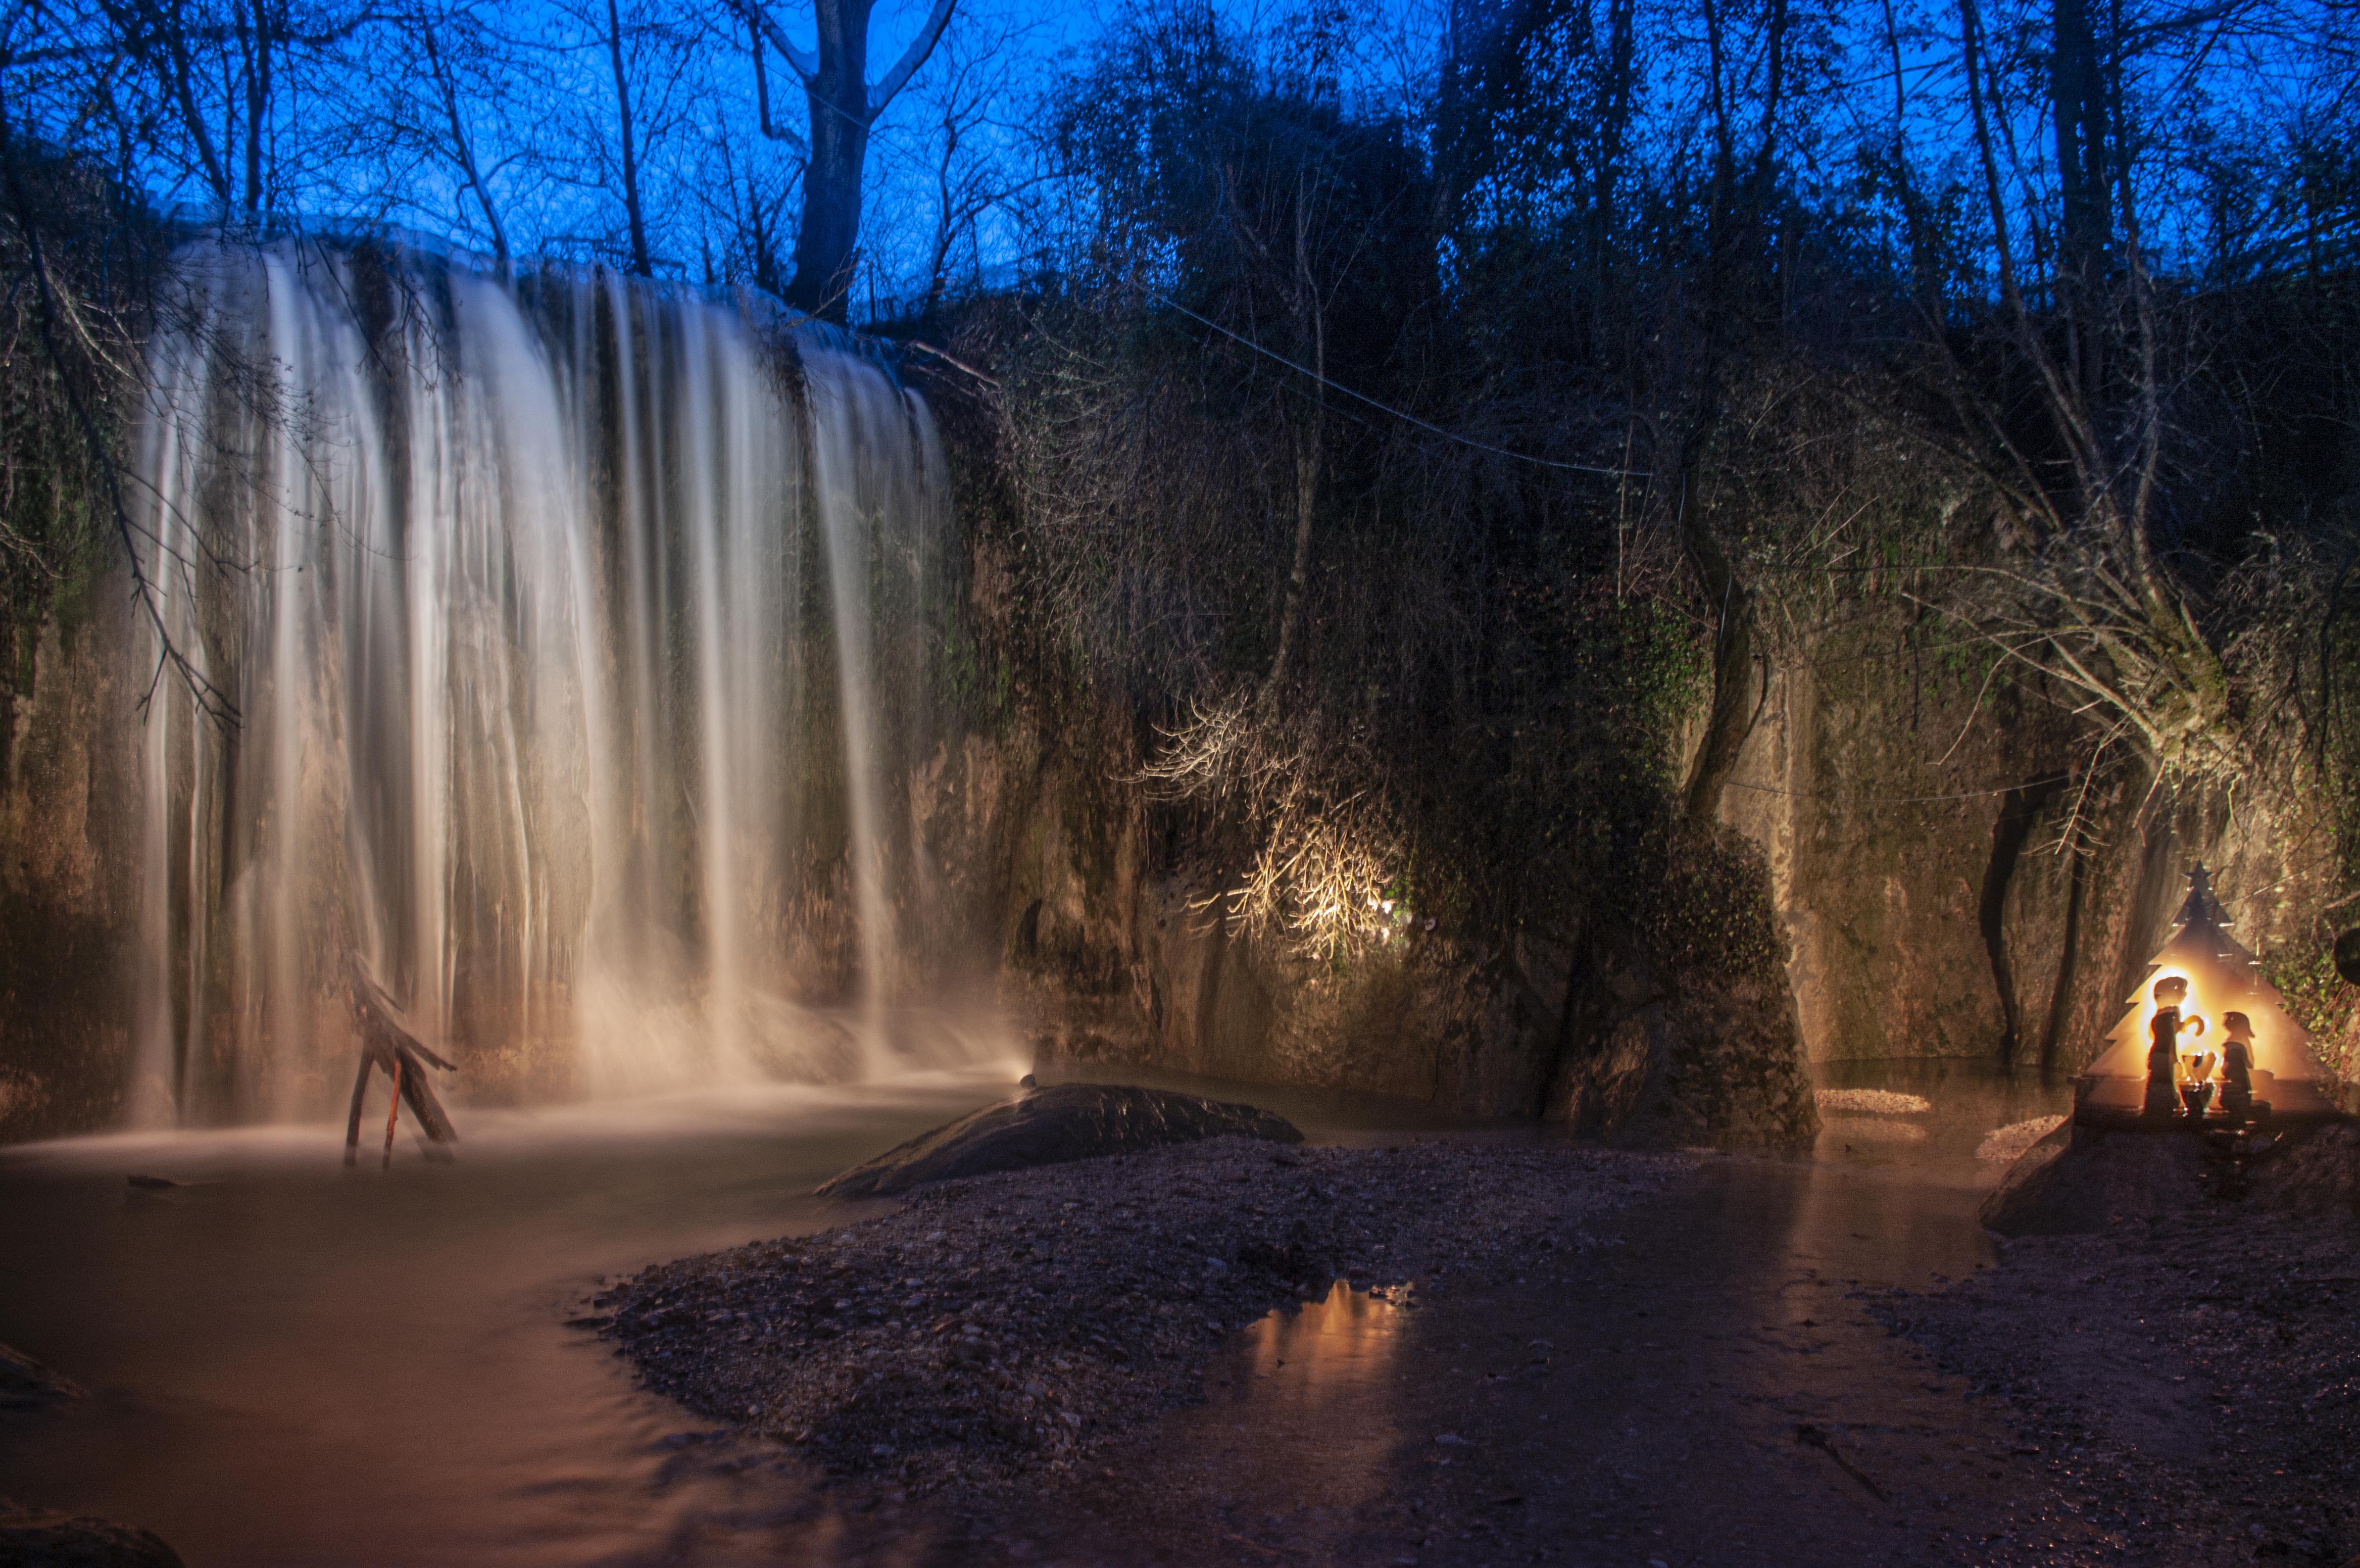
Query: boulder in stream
<point>43,1538</point>
<point>1051,1126</point>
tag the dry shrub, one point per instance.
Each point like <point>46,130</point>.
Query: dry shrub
<point>1314,795</point>
<point>1146,522</point>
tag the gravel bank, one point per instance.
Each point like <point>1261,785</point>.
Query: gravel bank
<point>2190,1384</point>
<point>1872,1102</point>
<point>995,1326</point>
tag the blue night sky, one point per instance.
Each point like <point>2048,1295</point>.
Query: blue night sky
<point>357,129</point>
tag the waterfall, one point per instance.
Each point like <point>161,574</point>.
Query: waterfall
<point>577,631</point>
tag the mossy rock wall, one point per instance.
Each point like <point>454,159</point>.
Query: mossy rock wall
<point>69,854</point>
<point>1911,815</point>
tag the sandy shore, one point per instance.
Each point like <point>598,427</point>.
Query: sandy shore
<point>1000,1326</point>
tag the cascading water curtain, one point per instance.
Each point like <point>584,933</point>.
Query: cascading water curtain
<point>574,630</point>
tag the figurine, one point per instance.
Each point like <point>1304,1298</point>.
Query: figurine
<point>2163,1101</point>
<point>2238,1067</point>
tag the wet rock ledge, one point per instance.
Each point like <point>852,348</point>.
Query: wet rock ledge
<point>1004,1323</point>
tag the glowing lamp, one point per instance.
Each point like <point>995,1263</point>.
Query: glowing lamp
<point>2222,976</point>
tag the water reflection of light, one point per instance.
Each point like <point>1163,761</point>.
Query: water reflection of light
<point>1313,1387</point>
<point>1340,1339</point>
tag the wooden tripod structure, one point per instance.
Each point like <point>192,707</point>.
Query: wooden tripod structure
<point>387,1042</point>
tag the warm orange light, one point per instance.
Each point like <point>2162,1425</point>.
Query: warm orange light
<point>2220,977</point>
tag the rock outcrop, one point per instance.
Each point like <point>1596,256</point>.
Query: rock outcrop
<point>43,1538</point>
<point>1054,1126</point>
<point>1916,818</point>
<point>69,870</point>
<point>27,1384</point>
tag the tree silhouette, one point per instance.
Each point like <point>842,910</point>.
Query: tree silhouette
<point>844,106</point>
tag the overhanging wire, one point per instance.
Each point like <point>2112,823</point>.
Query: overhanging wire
<point>1388,407</point>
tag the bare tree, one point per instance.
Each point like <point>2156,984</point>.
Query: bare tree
<point>463,141</point>
<point>969,167</point>
<point>844,106</point>
<point>450,93</point>
<point>748,202</point>
<point>628,133</point>
<point>2083,596</point>
<point>213,88</point>
<point>1742,193</point>
<point>632,118</point>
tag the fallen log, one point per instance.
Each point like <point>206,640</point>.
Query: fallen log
<point>390,1045</point>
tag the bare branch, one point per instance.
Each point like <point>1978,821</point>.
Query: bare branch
<point>893,80</point>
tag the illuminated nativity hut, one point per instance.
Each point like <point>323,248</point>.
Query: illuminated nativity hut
<point>2220,998</point>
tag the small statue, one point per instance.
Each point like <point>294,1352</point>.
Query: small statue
<point>2163,1100</point>
<point>2197,1067</point>
<point>2238,1067</point>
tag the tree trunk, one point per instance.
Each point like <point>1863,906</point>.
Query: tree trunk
<point>1310,454</point>
<point>258,106</point>
<point>1724,140</point>
<point>1732,688</point>
<point>828,245</point>
<point>642,262</point>
<point>1614,136</point>
<point>1733,708</point>
<point>1307,458</point>
<point>2078,104</point>
<point>177,73</point>
<point>463,149</point>
<point>945,226</point>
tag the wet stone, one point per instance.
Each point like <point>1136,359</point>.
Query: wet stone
<point>27,1384</point>
<point>1052,1127</point>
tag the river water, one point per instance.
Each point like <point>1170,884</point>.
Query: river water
<point>293,1363</point>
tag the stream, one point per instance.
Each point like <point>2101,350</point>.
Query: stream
<point>290,1362</point>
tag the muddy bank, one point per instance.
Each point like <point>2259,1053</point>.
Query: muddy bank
<point>997,1326</point>
<point>2081,1179</point>
<point>2189,1382</point>
<point>1713,1394</point>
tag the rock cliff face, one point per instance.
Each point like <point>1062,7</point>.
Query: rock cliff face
<point>69,895</point>
<point>1908,819</point>
<point>1912,824</point>
<point>1899,818</point>
<point>1118,950</point>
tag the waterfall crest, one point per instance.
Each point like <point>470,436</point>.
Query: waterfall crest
<point>578,631</point>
